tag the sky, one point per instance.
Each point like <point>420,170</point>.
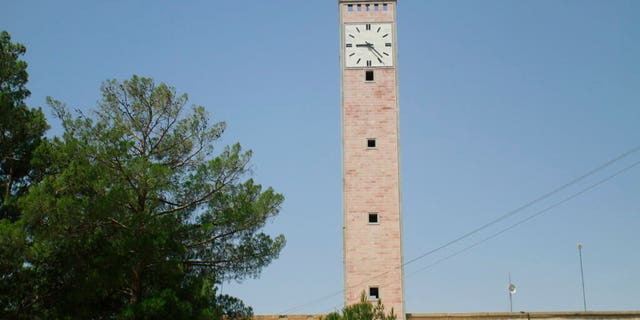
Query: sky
<point>501,103</point>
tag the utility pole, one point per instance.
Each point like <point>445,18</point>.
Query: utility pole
<point>584,299</point>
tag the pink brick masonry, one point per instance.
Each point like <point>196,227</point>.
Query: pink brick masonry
<point>372,253</point>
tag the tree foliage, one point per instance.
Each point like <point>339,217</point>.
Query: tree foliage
<point>364,310</point>
<point>21,128</point>
<point>139,217</point>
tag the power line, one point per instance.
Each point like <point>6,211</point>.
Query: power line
<point>527,205</point>
<point>329,296</point>
<point>538,213</point>
<point>500,218</point>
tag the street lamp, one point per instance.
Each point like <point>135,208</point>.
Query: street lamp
<point>512,290</point>
<point>584,299</point>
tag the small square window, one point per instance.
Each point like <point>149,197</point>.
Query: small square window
<point>385,7</point>
<point>367,6</point>
<point>373,218</point>
<point>375,7</point>
<point>371,143</point>
<point>368,75</point>
<point>350,7</point>
<point>374,293</point>
<point>359,6</point>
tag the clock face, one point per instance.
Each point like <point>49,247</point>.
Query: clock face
<point>368,45</point>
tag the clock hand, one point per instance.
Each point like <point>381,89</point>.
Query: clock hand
<point>363,45</point>
<point>376,53</point>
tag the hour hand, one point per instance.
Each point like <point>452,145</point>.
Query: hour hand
<point>363,45</point>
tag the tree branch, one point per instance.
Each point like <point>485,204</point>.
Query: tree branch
<point>214,238</point>
<point>118,223</point>
<point>192,203</point>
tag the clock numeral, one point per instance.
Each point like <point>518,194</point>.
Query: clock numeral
<point>368,26</point>
<point>379,29</point>
<point>357,29</point>
<point>350,35</point>
<point>386,54</point>
<point>385,35</point>
<point>388,44</point>
<point>358,62</point>
<point>349,45</point>
<point>369,63</point>
<point>380,60</point>
<point>352,54</point>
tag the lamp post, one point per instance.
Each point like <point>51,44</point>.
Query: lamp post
<point>512,290</point>
<point>584,299</point>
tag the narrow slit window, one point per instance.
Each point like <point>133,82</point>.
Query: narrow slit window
<point>350,7</point>
<point>371,143</point>
<point>367,6</point>
<point>374,293</point>
<point>368,75</point>
<point>373,218</point>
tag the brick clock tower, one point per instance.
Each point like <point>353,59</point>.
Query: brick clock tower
<point>373,261</point>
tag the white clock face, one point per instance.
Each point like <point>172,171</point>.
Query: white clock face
<point>368,45</point>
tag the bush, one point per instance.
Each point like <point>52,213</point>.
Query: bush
<point>364,310</point>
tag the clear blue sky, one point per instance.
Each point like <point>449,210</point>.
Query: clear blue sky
<point>501,102</point>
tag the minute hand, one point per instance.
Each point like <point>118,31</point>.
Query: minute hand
<point>375,51</point>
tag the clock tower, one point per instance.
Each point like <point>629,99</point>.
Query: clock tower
<point>372,225</point>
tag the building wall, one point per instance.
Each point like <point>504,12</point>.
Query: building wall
<point>614,315</point>
<point>590,315</point>
<point>373,253</point>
